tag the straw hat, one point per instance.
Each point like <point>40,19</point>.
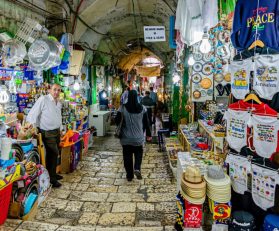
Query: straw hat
<point>193,186</point>
<point>218,184</point>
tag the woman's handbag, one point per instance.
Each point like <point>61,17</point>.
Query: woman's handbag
<point>118,129</point>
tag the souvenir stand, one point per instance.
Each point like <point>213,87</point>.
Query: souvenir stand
<point>24,180</point>
<point>227,174</point>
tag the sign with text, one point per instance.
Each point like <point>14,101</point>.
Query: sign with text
<point>154,34</point>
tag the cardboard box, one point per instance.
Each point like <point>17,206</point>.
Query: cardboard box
<point>65,160</point>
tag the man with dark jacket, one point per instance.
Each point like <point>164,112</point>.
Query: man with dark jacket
<point>149,104</point>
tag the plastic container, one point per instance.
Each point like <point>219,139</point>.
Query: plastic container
<point>5,196</point>
<point>86,137</point>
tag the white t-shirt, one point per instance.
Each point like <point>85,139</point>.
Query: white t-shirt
<point>239,167</point>
<point>265,134</point>
<point>266,79</point>
<point>240,77</point>
<point>263,186</point>
<point>236,128</point>
<point>210,13</point>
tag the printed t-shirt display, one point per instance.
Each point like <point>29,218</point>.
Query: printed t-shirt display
<point>236,128</point>
<point>246,15</point>
<point>240,77</point>
<point>238,168</point>
<point>266,77</point>
<point>264,182</point>
<point>265,134</point>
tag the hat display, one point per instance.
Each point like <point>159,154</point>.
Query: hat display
<point>242,220</point>
<point>271,222</point>
<point>193,187</point>
<point>218,184</point>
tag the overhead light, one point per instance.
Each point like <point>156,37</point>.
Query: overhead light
<point>4,96</point>
<point>104,95</point>
<point>109,88</point>
<point>205,46</point>
<point>76,86</point>
<point>191,60</point>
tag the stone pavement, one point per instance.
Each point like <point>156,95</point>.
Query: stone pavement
<point>98,197</point>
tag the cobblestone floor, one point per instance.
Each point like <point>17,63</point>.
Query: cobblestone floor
<point>98,197</point>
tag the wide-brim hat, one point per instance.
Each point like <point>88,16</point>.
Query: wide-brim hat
<point>195,193</point>
<point>242,220</point>
<point>218,198</point>
<point>193,200</point>
<point>192,178</point>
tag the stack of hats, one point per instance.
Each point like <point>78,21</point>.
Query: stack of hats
<point>218,184</point>
<point>242,220</point>
<point>271,222</point>
<point>193,187</point>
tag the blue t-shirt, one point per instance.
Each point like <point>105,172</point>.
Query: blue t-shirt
<point>246,19</point>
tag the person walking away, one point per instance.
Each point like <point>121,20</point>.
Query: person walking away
<point>132,134</point>
<point>149,105</point>
<point>46,115</point>
<point>153,96</point>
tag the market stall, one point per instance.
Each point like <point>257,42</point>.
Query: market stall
<point>228,169</point>
<point>24,179</point>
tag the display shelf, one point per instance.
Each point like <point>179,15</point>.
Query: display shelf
<point>218,141</point>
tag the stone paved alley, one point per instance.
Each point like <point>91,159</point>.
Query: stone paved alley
<point>98,197</point>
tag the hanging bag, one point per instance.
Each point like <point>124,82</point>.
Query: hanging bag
<point>118,129</point>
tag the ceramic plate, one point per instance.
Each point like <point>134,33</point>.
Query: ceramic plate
<point>210,92</point>
<point>207,57</point>
<point>196,78</point>
<point>219,78</point>
<point>196,94</point>
<point>228,77</point>
<point>197,67</point>
<point>197,56</point>
<point>207,69</point>
<point>203,93</point>
<point>206,83</point>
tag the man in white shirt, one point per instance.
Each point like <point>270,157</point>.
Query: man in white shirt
<point>46,115</point>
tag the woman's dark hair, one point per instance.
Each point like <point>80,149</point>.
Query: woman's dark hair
<point>133,106</point>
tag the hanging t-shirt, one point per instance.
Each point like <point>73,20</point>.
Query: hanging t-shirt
<point>265,134</point>
<point>250,18</point>
<point>239,167</point>
<point>240,77</point>
<point>236,128</point>
<point>192,215</point>
<point>264,182</point>
<point>266,78</point>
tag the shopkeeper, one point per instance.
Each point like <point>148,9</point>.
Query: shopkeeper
<point>46,115</point>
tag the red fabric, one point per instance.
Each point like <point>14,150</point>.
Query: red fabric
<point>258,109</point>
<point>192,215</point>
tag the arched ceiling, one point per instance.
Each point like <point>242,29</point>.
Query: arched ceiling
<point>117,23</point>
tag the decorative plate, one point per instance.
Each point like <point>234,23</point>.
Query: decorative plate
<point>228,77</point>
<point>43,181</point>
<point>206,83</point>
<point>210,92</point>
<point>196,78</point>
<point>223,51</point>
<point>207,57</point>
<point>197,56</point>
<point>218,78</point>
<point>197,67</point>
<point>207,69</point>
<point>203,93</point>
<point>196,94</point>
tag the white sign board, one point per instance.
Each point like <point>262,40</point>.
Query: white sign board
<point>154,34</point>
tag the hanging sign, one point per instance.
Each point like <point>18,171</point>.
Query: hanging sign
<point>154,34</point>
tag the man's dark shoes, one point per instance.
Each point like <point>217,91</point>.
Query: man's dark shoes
<point>138,174</point>
<point>129,179</point>
<point>55,184</point>
<point>59,177</point>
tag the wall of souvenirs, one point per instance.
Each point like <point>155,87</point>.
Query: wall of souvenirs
<point>227,172</point>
